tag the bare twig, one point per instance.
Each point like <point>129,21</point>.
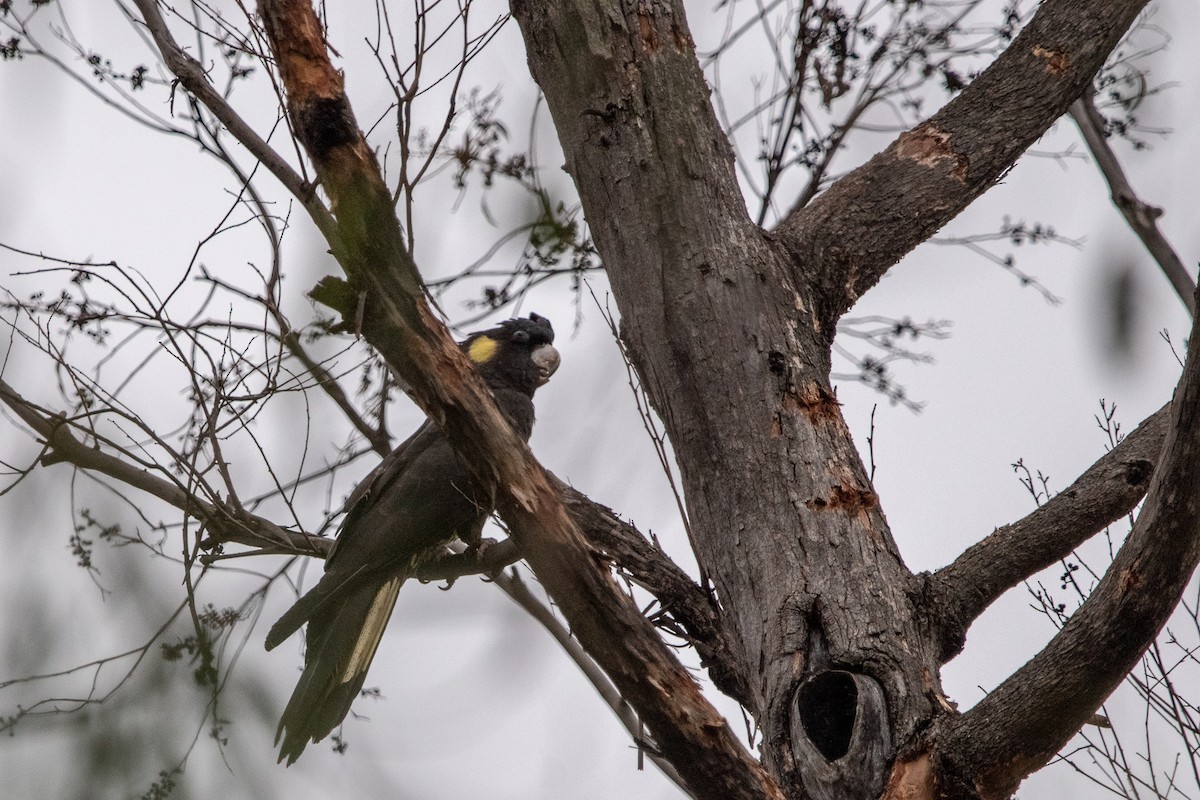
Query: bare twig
<point>512,585</point>
<point>1140,215</point>
<point>1019,726</point>
<point>378,439</point>
<point>221,520</point>
<point>689,604</point>
<point>191,74</point>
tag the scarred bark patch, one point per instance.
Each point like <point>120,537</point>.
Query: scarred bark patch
<point>930,147</point>
<point>646,28</point>
<point>325,123</point>
<point>1131,580</point>
<point>1056,61</point>
<point>683,39</point>
<point>853,499</point>
<point>814,401</point>
<point>910,780</point>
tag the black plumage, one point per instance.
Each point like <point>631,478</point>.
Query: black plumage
<point>415,502</point>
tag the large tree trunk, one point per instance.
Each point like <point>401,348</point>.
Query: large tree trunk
<point>730,328</point>
<point>737,362</point>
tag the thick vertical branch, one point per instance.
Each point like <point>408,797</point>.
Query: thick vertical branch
<point>397,321</point>
<point>723,336</point>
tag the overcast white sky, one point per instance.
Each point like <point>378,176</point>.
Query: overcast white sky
<point>478,700</point>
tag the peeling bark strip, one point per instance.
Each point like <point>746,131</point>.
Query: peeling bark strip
<point>686,729</point>
<point>815,402</point>
<point>912,779</point>
<point>647,30</point>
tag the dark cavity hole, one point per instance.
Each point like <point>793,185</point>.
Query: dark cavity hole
<point>828,704</point>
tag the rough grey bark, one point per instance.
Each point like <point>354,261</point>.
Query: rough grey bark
<point>729,327</point>
<point>848,237</point>
<point>737,363</point>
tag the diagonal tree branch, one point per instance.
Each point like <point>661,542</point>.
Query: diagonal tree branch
<point>1021,725</point>
<point>225,522</point>
<point>190,73</point>
<point>957,594</point>
<point>519,593</point>
<point>863,224</point>
<point>377,437</point>
<point>681,597</point>
<point>1141,216</point>
<point>396,319</point>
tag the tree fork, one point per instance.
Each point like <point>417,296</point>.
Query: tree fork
<point>730,351</point>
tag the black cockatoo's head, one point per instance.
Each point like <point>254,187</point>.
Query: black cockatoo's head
<point>517,353</point>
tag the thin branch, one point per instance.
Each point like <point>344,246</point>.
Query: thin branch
<point>1141,216</point>
<point>378,439</point>
<point>1105,492</point>
<point>1019,726</point>
<point>693,608</point>
<point>191,75</point>
<point>223,522</point>
<point>518,592</point>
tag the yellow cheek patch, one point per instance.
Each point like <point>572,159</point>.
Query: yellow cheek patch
<point>482,349</point>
